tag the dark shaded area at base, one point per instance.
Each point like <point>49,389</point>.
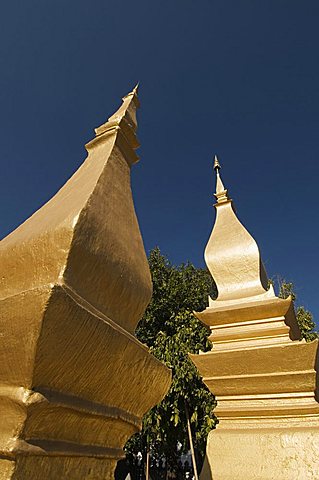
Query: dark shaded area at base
<point>157,472</point>
<point>122,470</point>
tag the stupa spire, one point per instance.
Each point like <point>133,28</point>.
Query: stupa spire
<point>232,254</point>
<point>221,192</point>
<point>135,89</point>
<point>217,165</point>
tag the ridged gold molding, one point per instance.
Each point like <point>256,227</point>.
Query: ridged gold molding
<point>74,381</point>
<point>263,376</point>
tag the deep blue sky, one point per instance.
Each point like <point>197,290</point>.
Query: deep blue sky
<point>240,78</point>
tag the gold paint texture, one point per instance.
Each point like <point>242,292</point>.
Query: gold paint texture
<point>263,375</point>
<point>74,381</point>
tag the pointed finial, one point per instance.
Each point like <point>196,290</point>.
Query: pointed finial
<point>126,113</point>
<point>217,166</point>
<point>133,93</point>
<point>221,191</point>
<point>135,89</point>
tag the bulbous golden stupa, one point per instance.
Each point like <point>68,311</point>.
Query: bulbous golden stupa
<point>74,380</point>
<point>263,375</point>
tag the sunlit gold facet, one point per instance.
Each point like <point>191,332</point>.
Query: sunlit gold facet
<point>74,381</point>
<point>263,376</point>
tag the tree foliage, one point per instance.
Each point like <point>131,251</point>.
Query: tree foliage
<point>171,331</point>
<point>304,317</point>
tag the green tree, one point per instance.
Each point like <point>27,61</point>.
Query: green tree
<point>171,331</point>
<point>304,317</point>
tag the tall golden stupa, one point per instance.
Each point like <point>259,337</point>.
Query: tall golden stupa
<point>74,380</point>
<point>262,373</point>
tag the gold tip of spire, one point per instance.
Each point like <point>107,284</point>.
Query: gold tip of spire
<point>134,92</point>
<point>221,192</point>
<point>216,163</point>
<point>130,100</point>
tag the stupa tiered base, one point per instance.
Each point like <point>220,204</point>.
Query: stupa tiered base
<point>286,449</point>
<point>265,389</point>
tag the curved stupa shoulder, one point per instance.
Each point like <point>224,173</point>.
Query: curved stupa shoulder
<point>232,254</point>
<point>88,233</point>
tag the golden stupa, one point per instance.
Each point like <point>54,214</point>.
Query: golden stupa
<point>74,380</point>
<point>263,375</point>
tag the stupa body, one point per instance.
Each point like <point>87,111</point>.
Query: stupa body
<point>74,381</point>
<point>263,376</point>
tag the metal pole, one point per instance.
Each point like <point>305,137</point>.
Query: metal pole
<point>147,474</point>
<point>191,442</point>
